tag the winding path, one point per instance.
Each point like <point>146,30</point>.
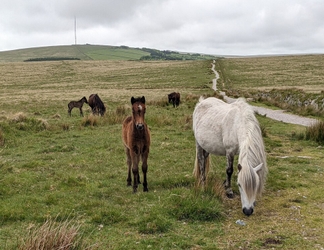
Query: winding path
<point>278,115</point>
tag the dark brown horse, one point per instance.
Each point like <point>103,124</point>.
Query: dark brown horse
<point>96,105</point>
<point>174,97</point>
<point>137,140</point>
<point>77,104</point>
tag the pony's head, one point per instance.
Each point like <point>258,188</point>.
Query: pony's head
<point>139,109</point>
<point>102,110</point>
<point>84,99</point>
<point>171,96</point>
<point>250,185</point>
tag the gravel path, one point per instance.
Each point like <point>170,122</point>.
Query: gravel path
<point>278,115</point>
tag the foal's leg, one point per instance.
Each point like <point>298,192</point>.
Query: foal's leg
<point>144,169</point>
<point>81,113</point>
<point>129,164</point>
<point>135,160</point>
<point>229,172</point>
<point>202,156</point>
<point>69,110</point>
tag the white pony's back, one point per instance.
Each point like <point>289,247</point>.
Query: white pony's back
<point>220,123</point>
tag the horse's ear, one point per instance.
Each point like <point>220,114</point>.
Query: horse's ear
<point>132,100</point>
<point>143,99</point>
<point>258,168</point>
<point>239,167</point>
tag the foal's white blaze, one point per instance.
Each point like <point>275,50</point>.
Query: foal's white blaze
<point>139,123</point>
<point>248,199</point>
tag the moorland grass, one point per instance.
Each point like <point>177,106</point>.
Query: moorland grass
<point>293,83</point>
<point>316,132</point>
<point>68,169</point>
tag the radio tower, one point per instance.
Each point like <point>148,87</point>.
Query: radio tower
<point>75,35</point>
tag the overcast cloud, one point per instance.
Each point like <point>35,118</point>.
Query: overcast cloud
<point>221,27</point>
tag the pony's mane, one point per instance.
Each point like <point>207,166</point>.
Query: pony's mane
<point>100,103</point>
<point>252,151</point>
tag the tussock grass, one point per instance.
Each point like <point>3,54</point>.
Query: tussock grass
<point>194,206</point>
<point>316,132</point>
<point>18,117</point>
<point>162,102</point>
<point>154,223</point>
<point>23,122</point>
<point>90,120</point>
<point>65,126</point>
<point>118,115</point>
<point>53,235</point>
<point>2,138</point>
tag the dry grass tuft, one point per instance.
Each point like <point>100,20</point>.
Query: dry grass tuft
<point>117,116</point>
<point>18,117</point>
<point>56,116</point>
<point>54,235</point>
<point>162,102</point>
<point>43,124</point>
<point>122,110</point>
<point>90,120</point>
<point>316,132</point>
<point>65,126</point>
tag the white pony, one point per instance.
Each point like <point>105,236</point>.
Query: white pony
<point>231,129</point>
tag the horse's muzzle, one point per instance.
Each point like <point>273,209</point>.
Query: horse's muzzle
<point>140,126</point>
<point>248,211</point>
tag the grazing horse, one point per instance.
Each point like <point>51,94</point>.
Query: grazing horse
<point>174,97</point>
<point>96,105</point>
<point>77,104</point>
<point>137,139</point>
<point>231,129</point>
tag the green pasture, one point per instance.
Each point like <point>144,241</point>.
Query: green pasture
<point>281,72</point>
<point>95,52</point>
<point>60,167</point>
<point>83,52</point>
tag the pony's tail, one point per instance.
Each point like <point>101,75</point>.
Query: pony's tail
<point>196,171</point>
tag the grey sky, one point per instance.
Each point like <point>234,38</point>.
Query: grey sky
<point>225,27</point>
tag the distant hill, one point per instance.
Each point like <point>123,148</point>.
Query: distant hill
<point>95,52</point>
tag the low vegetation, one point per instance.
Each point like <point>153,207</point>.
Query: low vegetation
<point>54,167</point>
<point>53,235</point>
<point>316,132</point>
<point>41,59</point>
<point>293,83</point>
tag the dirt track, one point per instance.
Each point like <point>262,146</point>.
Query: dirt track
<point>278,115</point>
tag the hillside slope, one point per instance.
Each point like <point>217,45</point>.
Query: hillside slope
<point>95,52</point>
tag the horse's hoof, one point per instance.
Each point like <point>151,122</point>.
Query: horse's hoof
<point>145,189</point>
<point>129,184</point>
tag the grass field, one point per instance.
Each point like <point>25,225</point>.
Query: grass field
<point>83,52</point>
<point>93,52</point>
<point>281,72</point>
<point>55,166</point>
